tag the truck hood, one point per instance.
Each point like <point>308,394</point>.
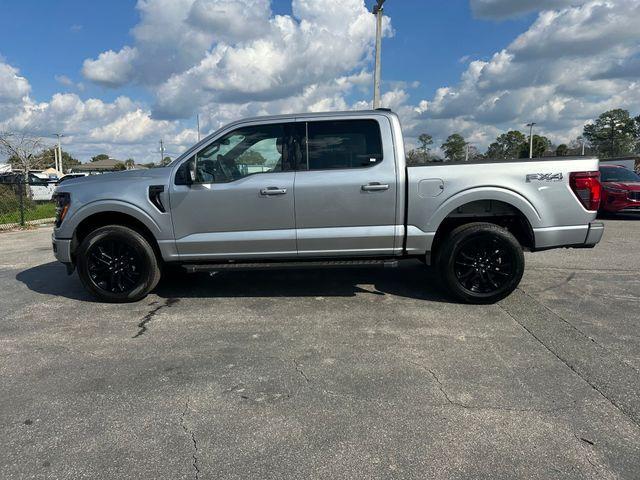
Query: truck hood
<point>160,174</point>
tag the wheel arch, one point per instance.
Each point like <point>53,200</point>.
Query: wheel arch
<point>116,216</point>
<point>498,206</point>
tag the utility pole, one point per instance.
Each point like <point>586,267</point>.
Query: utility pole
<point>531,125</point>
<point>198,121</point>
<point>583,147</point>
<point>466,155</point>
<point>161,151</point>
<point>378,12</point>
<point>58,157</point>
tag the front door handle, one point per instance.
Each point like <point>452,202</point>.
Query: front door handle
<point>267,192</point>
<point>375,187</point>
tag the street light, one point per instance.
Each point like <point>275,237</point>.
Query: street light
<point>530,125</point>
<point>378,12</point>
<point>58,155</point>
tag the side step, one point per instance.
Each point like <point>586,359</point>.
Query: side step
<point>214,267</point>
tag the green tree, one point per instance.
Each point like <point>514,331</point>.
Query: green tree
<point>507,146</point>
<point>47,159</point>
<point>562,150</point>
<point>101,156</point>
<point>120,166</point>
<point>165,161</point>
<point>455,147</point>
<point>422,154</point>
<point>426,141</point>
<point>540,146</point>
<point>129,164</point>
<point>614,133</point>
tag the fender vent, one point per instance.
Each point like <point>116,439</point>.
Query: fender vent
<point>155,197</point>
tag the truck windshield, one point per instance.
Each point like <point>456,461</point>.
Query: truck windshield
<point>618,175</point>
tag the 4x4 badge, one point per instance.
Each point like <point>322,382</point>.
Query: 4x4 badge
<point>544,177</point>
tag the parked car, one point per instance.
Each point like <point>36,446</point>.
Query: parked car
<point>620,190</point>
<point>332,188</point>
<point>40,189</point>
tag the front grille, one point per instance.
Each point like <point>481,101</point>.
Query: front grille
<point>634,196</point>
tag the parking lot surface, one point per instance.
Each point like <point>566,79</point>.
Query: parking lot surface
<point>317,374</point>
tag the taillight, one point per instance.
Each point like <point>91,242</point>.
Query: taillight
<point>63,200</point>
<point>586,186</point>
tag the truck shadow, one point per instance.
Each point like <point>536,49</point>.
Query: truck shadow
<point>411,280</point>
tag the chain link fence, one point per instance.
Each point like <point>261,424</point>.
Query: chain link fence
<point>25,204</point>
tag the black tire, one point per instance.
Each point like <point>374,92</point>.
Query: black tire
<point>480,263</point>
<point>117,264</point>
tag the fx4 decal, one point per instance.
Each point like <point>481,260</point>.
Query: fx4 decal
<point>544,177</point>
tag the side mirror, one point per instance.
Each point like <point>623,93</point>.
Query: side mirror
<point>185,173</point>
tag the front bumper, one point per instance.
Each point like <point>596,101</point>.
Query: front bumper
<point>61,249</point>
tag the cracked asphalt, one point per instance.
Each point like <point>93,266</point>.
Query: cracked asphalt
<point>315,374</point>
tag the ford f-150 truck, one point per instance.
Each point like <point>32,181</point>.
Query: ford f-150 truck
<point>322,189</point>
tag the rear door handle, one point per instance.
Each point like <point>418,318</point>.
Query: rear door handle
<point>267,192</point>
<point>375,187</point>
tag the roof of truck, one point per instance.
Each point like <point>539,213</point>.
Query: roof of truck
<point>344,113</point>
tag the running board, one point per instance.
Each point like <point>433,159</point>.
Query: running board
<point>214,267</point>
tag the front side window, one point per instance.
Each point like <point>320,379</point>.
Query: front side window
<point>247,151</point>
<point>343,144</point>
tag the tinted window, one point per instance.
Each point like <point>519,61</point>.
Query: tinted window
<point>247,151</point>
<point>615,174</point>
<point>343,144</point>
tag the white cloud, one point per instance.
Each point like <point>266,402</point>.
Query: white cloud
<point>13,90</point>
<point>111,69</point>
<point>228,59</point>
<point>568,67</point>
<point>204,52</point>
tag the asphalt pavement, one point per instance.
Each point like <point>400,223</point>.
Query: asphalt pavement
<point>323,374</point>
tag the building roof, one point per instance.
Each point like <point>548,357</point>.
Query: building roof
<point>98,166</point>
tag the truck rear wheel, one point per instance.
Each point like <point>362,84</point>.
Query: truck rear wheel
<point>117,264</point>
<point>480,263</point>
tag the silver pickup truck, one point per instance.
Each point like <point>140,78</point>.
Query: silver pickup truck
<point>322,189</point>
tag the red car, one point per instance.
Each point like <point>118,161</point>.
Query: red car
<point>620,190</point>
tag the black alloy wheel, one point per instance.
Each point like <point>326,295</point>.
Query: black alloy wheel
<point>480,263</point>
<point>117,264</point>
<point>114,266</point>
<point>484,263</point>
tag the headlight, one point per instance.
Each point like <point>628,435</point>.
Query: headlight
<point>614,190</point>
<point>63,201</point>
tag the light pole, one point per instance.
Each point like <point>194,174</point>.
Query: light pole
<point>161,151</point>
<point>466,154</point>
<point>58,157</point>
<point>531,125</point>
<point>198,122</point>
<point>378,12</point>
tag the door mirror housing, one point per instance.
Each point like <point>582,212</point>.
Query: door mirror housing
<point>186,173</point>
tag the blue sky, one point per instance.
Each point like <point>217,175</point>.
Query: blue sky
<point>117,76</point>
<point>431,37</point>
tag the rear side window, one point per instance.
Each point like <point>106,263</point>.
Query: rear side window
<point>343,144</point>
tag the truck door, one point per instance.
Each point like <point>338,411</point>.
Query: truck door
<point>241,202</point>
<point>345,189</point>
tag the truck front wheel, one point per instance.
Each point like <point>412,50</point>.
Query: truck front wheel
<point>117,264</point>
<point>480,263</point>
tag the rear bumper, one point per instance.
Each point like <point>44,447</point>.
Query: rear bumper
<point>596,230</point>
<point>568,236</point>
<point>61,249</point>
